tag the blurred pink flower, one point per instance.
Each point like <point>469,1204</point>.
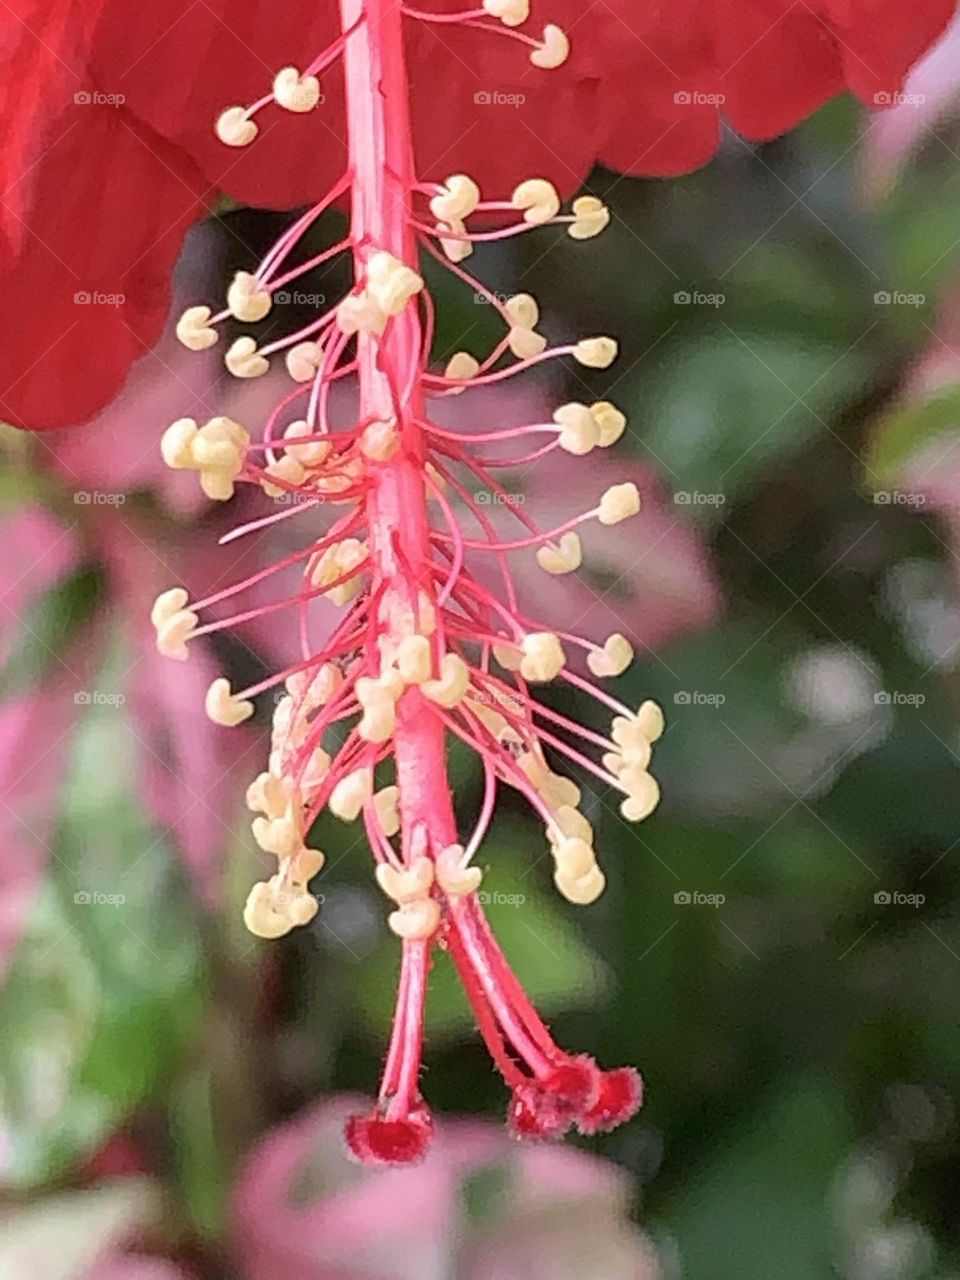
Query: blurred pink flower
<point>480,1207</point>
<point>39,552</point>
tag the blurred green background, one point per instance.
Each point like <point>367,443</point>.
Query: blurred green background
<point>778,948</point>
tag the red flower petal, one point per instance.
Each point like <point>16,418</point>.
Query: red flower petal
<point>90,285</point>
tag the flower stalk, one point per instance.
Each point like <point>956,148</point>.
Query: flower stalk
<point>425,650</point>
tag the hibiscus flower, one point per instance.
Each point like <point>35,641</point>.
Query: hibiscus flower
<point>108,156</point>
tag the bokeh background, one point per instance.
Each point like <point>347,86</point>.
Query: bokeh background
<point>778,949</point>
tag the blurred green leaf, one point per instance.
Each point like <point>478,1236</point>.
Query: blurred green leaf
<point>759,1204</point>
<point>104,988</point>
<point>903,432</point>
<point>720,410</point>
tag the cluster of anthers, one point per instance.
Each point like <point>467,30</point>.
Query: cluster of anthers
<point>423,650</point>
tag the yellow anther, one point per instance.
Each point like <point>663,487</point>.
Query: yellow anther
<point>387,810</point>
<point>558,791</point>
<point>350,794</point>
<point>579,430</point>
<point>244,360</point>
<point>406,884</point>
<point>651,721</point>
<point>288,469</point>
<point>610,422</point>
<point>456,246</point>
<point>415,921</point>
<point>359,313</point>
<point>312,454</point>
<point>613,659</point>
<point>583,890</point>
<point>415,659</point>
<point>268,794</point>
<point>295,92</point>
<point>303,361</point>
<point>390,282</point>
<point>643,793</point>
<point>454,874</point>
<point>512,13</point>
<point>452,684</point>
<point>596,353</point>
<point>176,444</point>
<point>619,502</point>
<point>553,50</point>
<point>193,329</point>
<point>591,216</point>
<point>235,128</point>
<point>167,604</point>
<point>174,632</point>
<point>564,556</point>
<point>280,836</point>
<point>340,559</point>
<point>574,858</point>
<point>461,367</point>
<point>457,199</point>
<point>224,707</point>
<point>543,656</point>
<point>522,310</point>
<point>573,824</point>
<point>247,299</point>
<point>380,441</point>
<point>525,343</point>
<point>538,199</point>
